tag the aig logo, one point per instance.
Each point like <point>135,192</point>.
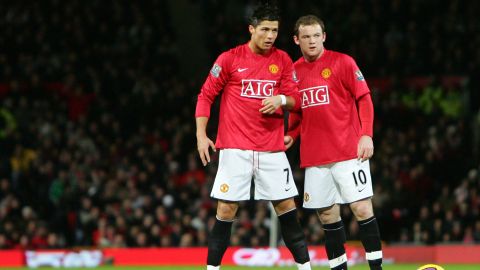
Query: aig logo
<point>257,88</point>
<point>315,96</point>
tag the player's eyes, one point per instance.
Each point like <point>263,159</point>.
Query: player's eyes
<point>268,29</point>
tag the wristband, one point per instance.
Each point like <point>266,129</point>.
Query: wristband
<point>284,100</point>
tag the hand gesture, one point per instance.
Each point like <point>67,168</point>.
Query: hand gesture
<point>365,148</point>
<point>271,104</point>
<point>288,141</point>
<point>203,145</point>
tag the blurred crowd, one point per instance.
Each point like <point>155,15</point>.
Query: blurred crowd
<point>97,131</point>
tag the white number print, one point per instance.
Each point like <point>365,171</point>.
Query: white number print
<point>315,96</point>
<point>257,88</point>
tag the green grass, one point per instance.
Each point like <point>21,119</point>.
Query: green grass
<point>356,267</point>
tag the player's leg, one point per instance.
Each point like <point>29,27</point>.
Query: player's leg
<point>335,237</point>
<point>369,232</point>
<point>321,194</point>
<point>355,182</point>
<point>232,184</point>
<point>219,237</point>
<point>292,232</point>
<point>274,182</point>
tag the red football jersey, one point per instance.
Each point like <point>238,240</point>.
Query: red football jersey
<point>330,128</point>
<point>246,79</point>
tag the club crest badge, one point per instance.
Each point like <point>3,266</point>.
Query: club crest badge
<point>273,69</point>
<point>306,197</point>
<point>224,188</point>
<point>326,73</point>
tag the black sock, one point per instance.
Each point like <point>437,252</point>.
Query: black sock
<point>218,241</point>
<point>335,245</point>
<point>370,236</point>
<point>293,236</point>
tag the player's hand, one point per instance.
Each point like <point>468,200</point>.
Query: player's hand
<point>271,104</point>
<point>288,141</point>
<point>203,145</point>
<point>365,148</point>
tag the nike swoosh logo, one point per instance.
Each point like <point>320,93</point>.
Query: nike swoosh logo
<point>241,69</point>
<point>362,189</point>
<point>287,189</point>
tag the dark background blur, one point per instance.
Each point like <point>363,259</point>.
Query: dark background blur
<point>97,130</point>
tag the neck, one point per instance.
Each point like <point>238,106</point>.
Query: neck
<point>314,58</point>
<point>255,49</point>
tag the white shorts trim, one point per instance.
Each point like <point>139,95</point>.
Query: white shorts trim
<point>337,183</point>
<point>270,172</point>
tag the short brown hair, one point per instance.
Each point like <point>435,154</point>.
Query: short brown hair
<point>308,20</point>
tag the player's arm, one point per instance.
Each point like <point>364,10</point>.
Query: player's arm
<point>366,115</point>
<point>294,128</point>
<point>216,80</point>
<point>271,104</point>
<point>203,142</point>
<point>289,97</point>
<point>354,82</point>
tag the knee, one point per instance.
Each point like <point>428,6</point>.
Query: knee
<point>362,209</point>
<point>281,207</point>
<point>226,211</point>
<point>329,215</point>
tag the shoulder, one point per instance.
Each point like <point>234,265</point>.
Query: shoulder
<point>283,54</point>
<point>228,56</point>
<point>342,58</point>
<point>299,61</point>
<point>278,53</point>
<point>234,53</point>
<point>239,50</point>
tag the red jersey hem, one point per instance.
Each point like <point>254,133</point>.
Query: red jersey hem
<point>321,163</point>
<point>251,148</point>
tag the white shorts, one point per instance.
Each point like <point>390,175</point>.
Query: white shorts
<point>337,183</point>
<point>270,171</point>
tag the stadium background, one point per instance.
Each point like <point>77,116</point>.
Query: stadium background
<point>97,135</point>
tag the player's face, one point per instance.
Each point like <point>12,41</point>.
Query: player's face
<point>263,36</point>
<point>310,39</point>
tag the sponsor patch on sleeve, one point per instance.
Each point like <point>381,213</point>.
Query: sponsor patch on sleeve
<point>215,71</point>
<point>359,75</point>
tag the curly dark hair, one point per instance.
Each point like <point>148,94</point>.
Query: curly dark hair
<point>265,11</point>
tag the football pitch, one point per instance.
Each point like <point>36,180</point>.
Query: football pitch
<point>355,267</point>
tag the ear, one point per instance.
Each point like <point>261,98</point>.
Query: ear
<point>324,36</point>
<point>295,39</point>
<point>251,29</point>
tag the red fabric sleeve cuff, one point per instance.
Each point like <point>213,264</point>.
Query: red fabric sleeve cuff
<point>294,133</point>
<point>202,109</point>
